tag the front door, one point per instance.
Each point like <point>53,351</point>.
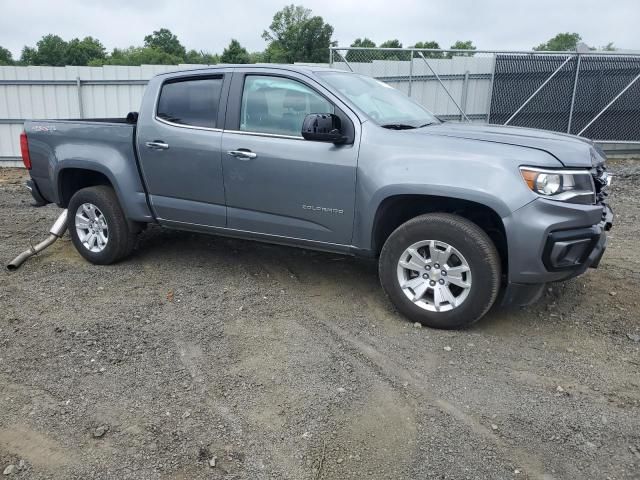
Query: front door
<point>276,182</point>
<point>179,150</point>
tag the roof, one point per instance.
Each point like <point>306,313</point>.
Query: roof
<point>300,68</point>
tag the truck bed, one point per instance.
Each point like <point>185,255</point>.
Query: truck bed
<point>55,145</point>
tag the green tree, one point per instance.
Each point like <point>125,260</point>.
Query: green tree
<point>560,43</point>
<point>430,44</point>
<point>462,45</point>
<point>390,55</point>
<point>81,52</point>
<point>235,53</point>
<point>274,54</point>
<point>5,57</point>
<point>256,57</point>
<point>295,36</point>
<point>28,56</point>
<point>364,42</point>
<point>138,56</point>
<point>359,55</point>
<point>50,50</point>
<point>204,58</point>
<point>53,50</point>
<point>395,43</point>
<point>165,41</point>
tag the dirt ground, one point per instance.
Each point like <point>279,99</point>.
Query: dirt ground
<point>291,364</point>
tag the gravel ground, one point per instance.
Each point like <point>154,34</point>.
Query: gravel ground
<point>286,363</point>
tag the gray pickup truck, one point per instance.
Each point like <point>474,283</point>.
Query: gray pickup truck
<point>457,214</point>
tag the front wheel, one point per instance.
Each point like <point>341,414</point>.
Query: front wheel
<point>99,230</point>
<point>441,270</point>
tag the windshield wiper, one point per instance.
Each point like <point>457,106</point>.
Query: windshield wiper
<point>398,126</point>
<point>405,126</point>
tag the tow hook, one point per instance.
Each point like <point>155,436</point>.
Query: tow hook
<point>57,230</point>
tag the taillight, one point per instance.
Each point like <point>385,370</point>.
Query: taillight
<point>24,148</point>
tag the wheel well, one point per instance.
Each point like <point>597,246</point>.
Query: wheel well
<point>73,179</point>
<point>396,210</point>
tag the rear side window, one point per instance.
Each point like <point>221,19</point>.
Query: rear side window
<point>191,102</point>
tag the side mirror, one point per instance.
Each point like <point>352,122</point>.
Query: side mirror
<point>322,127</point>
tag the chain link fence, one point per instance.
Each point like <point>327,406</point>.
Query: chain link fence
<point>594,94</point>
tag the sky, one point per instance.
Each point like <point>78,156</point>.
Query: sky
<point>210,25</point>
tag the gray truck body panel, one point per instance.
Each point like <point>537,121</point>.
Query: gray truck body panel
<point>57,146</point>
<point>313,194</point>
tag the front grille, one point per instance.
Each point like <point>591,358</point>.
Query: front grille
<point>599,174</point>
<point>600,180</point>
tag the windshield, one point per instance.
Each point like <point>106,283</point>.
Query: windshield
<point>384,104</point>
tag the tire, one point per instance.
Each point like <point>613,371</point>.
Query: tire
<point>120,234</point>
<point>473,264</point>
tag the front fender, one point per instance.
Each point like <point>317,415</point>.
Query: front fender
<point>365,220</point>
<point>396,163</point>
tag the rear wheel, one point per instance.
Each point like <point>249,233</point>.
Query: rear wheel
<point>441,270</point>
<point>99,230</point>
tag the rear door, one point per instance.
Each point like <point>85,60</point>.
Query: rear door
<point>178,145</point>
<point>276,182</point>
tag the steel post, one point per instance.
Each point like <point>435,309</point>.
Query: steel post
<point>445,88</point>
<point>344,59</point>
<point>79,92</point>
<point>493,75</point>
<point>465,92</point>
<point>573,94</point>
<point>410,70</point>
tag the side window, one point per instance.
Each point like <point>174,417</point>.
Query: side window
<point>192,101</point>
<point>278,105</point>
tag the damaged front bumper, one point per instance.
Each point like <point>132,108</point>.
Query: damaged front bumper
<point>576,250</point>
<point>566,253</point>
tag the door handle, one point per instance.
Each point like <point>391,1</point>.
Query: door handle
<point>242,154</point>
<point>157,145</point>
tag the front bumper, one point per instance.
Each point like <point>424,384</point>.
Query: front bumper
<point>576,250</point>
<point>572,240</point>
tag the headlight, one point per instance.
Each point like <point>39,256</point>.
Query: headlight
<point>574,186</point>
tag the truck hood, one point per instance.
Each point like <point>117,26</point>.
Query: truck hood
<point>570,150</point>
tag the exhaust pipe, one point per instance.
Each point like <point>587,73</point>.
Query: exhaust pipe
<point>57,231</point>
